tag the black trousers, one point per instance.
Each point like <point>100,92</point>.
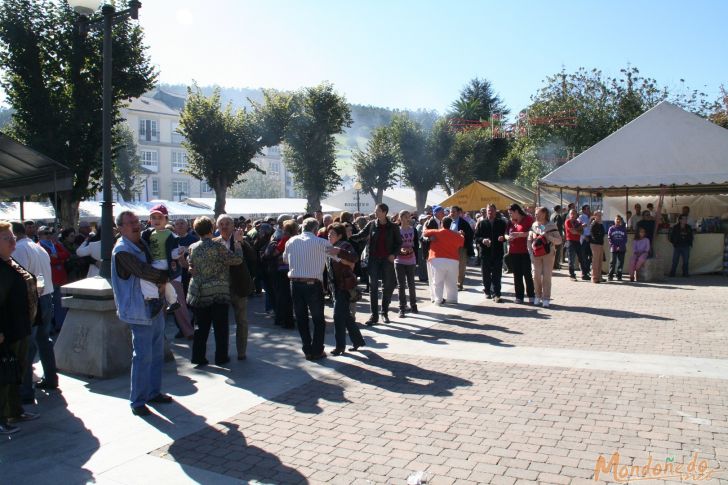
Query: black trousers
<point>521,264</point>
<point>380,268</point>
<point>283,300</point>
<point>492,269</point>
<point>405,279</point>
<point>215,316</point>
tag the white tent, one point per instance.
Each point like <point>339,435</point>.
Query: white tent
<point>258,207</point>
<point>701,206</point>
<point>33,211</point>
<point>664,146</point>
<point>397,200</point>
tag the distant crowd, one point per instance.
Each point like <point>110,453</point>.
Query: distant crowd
<point>199,273</point>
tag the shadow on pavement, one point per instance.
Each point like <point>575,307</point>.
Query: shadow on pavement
<point>610,312</point>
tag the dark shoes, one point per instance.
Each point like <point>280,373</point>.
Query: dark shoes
<point>385,317</point>
<point>373,320</point>
<point>223,361</point>
<point>200,363</point>
<point>320,356</point>
<point>414,309</point>
<point>26,416</point>
<point>357,347</point>
<point>161,399</point>
<point>572,277</point>
<point>7,429</point>
<point>242,357</point>
<point>402,314</point>
<point>338,351</point>
<point>141,411</point>
<point>46,385</point>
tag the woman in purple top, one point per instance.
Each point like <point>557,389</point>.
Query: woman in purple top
<point>405,262</point>
<point>617,236</point>
<point>640,251</point>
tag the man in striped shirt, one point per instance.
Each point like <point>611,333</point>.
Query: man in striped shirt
<point>306,257</point>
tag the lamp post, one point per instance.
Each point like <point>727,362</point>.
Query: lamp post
<point>357,187</point>
<point>109,16</point>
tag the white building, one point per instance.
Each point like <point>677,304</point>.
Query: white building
<point>154,120</point>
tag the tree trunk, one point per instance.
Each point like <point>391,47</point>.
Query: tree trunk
<point>220,196</point>
<point>313,202</point>
<point>378,196</point>
<point>66,208</point>
<point>421,199</point>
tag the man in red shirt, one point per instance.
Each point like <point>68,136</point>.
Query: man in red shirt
<point>59,255</point>
<point>572,231</point>
<point>518,252</point>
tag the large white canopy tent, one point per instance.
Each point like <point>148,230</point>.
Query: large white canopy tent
<point>257,207</point>
<point>397,199</point>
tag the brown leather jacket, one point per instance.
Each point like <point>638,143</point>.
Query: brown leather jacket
<point>241,281</point>
<point>338,270</point>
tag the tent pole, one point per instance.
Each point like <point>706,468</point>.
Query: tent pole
<point>538,195</point>
<point>626,204</point>
<point>22,208</point>
<point>55,198</point>
<point>561,197</point>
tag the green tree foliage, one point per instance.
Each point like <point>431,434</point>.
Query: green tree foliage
<point>52,77</point>
<point>475,155</point>
<point>319,113</point>
<point>421,170</point>
<point>128,176</point>
<point>222,143</point>
<point>523,164</point>
<point>376,166</point>
<point>478,101</point>
<point>257,185</point>
<point>720,114</point>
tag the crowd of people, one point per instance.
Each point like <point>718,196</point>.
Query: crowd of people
<point>204,273</point>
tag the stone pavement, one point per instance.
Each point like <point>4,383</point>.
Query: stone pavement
<point>474,393</point>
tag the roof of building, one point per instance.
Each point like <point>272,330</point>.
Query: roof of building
<point>150,105</point>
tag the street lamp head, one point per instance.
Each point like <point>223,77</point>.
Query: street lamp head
<point>84,7</point>
<point>357,186</point>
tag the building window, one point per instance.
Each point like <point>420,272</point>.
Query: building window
<point>179,161</point>
<point>148,130</point>
<point>274,168</point>
<point>155,187</point>
<point>205,187</point>
<point>177,138</point>
<point>180,188</point>
<point>150,159</point>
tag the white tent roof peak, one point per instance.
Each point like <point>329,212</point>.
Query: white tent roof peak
<point>666,145</point>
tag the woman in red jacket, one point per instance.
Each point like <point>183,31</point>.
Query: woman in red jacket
<point>444,258</point>
<point>59,255</point>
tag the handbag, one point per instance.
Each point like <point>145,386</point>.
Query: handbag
<point>10,369</point>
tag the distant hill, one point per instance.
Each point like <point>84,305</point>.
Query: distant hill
<point>366,118</point>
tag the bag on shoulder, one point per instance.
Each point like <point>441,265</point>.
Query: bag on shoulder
<point>541,246</point>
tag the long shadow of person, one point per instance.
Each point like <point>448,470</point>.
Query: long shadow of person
<point>50,450</point>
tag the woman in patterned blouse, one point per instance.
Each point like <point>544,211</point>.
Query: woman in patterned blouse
<point>209,292</point>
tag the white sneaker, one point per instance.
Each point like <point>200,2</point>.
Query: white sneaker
<point>546,303</point>
<point>537,301</point>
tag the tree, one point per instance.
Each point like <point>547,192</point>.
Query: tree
<point>319,113</point>
<point>477,101</point>
<point>440,143</point>
<point>257,185</point>
<point>376,166</point>
<point>523,164</point>
<point>222,143</point>
<point>52,77</point>
<point>720,115</point>
<point>420,169</point>
<point>128,176</point>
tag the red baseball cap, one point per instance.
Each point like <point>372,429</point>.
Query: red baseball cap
<point>159,208</point>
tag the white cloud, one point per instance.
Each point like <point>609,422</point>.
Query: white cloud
<point>185,17</point>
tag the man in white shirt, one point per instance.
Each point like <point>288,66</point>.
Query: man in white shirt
<point>306,257</point>
<point>37,262</point>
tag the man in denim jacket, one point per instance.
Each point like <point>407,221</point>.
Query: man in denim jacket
<point>130,263</point>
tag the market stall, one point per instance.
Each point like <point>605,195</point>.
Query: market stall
<point>664,154</point>
<point>480,193</point>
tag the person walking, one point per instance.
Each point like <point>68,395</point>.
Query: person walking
<point>518,230</point>
<point>596,246</point>
<point>543,238</point>
<point>405,263</point>
<point>617,237</point>
<point>130,263</point>
<point>383,245</point>
<point>306,257</point>
<point>681,237</point>
<point>490,237</point>
<point>460,223</point>
<point>445,247</point>
<point>209,292</point>
<point>341,279</point>
<point>241,282</point>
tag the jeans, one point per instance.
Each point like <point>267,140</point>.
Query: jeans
<point>270,294</point>
<point>678,253</point>
<point>309,297</point>
<point>380,267</point>
<point>406,279</point>
<point>521,264</point>
<point>616,264</point>
<point>40,342</point>
<point>147,359</point>
<point>344,321</point>
<point>215,316</point>
<point>492,268</point>
<point>575,253</point>
<point>585,258</point>
<point>59,313</point>
<point>284,303</point>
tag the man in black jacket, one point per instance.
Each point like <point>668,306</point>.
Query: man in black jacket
<point>681,237</point>
<point>384,242</point>
<point>489,236</point>
<point>459,224</point>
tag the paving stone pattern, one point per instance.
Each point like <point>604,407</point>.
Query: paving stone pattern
<point>379,418</point>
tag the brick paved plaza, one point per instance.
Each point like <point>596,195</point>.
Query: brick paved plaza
<point>478,393</point>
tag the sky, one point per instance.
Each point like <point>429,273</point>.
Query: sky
<point>419,54</point>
